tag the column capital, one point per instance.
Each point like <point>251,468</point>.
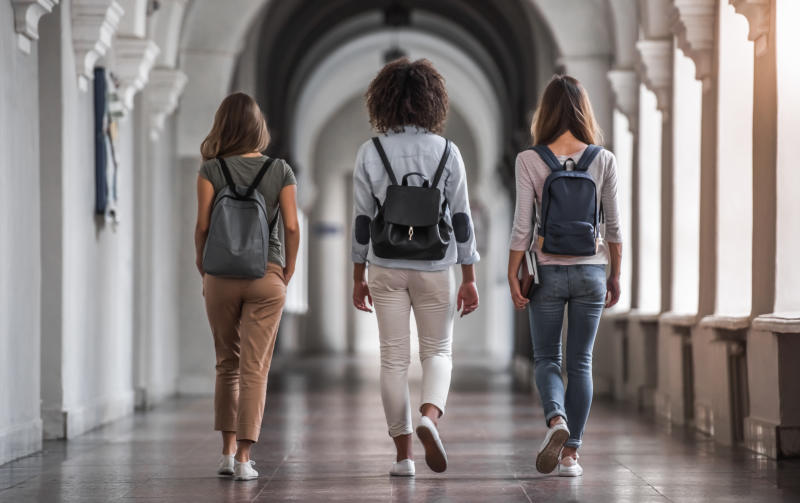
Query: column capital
<point>625,86</point>
<point>94,23</point>
<point>757,13</point>
<point>26,20</point>
<point>162,96</point>
<point>655,69</point>
<point>694,27</point>
<point>133,59</point>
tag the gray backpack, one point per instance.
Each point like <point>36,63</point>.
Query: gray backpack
<point>238,236</point>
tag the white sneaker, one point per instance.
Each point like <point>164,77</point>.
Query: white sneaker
<point>569,467</point>
<point>244,471</point>
<point>547,457</point>
<point>225,465</point>
<point>434,450</point>
<point>404,468</point>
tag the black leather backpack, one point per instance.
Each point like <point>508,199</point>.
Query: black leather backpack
<point>410,223</point>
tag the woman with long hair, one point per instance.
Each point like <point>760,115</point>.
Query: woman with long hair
<point>244,312</point>
<point>412,224</point>
<point>564,132</point>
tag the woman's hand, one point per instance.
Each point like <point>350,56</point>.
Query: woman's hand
<point>519,300</point>
<point>198,262</point>
<point>360,293</point>
<point>612,291</point>
<point>288,272</point>
<point>467,300</point>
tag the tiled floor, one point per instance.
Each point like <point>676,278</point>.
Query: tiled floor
<point>324,439</point>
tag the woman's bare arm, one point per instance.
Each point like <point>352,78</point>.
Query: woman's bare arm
<point>291,228</point>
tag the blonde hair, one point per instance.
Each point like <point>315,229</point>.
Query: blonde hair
<point>239,128</point>
<point>565,106</point>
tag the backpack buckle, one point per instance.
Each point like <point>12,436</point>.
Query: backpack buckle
<point>410,232</point>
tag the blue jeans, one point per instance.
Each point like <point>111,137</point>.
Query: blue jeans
<point>583,289</point>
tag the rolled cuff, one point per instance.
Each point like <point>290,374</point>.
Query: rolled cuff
<point>474,258</point>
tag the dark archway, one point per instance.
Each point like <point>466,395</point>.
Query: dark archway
<point>292,31</point>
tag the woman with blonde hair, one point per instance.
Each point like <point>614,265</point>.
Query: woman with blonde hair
<point>566,186</point>
<point>240,193</point>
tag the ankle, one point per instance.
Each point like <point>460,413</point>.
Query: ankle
<point>432,412</point>
<point>571,452</point>
<point>555,420</point>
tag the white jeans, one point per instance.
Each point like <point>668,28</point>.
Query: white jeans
<point>432,296</point>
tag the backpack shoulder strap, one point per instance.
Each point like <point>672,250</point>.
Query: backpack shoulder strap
<point>548,157</point>
<point>588,156</point>
<point>388,167</point>
<point>227,174</point>
<point>259,177</point>
<point>442,162</point>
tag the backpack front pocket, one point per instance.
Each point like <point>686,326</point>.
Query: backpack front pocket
<point>570,238</point>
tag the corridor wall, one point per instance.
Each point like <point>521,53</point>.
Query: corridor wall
<point>20,306</point>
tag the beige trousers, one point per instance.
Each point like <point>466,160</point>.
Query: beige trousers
<point>244,315</point>
<point>431,295</point>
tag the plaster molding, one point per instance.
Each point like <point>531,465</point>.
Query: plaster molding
<point>94,23</point>
<point>133,59</point>
<point>757,13</point>
<point>694,27</point>
<point>26,20</point>
<point>625,86</point>
<point>655,70</point>
<point>163,93</point>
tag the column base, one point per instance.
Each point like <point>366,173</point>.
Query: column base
<point>770,439</point>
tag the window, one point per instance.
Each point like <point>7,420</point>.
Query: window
<point>649,207</point>
<point>623,150</point>
<point>787,274</point>
<point>734,165</point>
<point>686,121</point>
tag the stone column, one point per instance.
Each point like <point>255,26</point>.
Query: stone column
<point>772,426</point>
<point>655,71</point>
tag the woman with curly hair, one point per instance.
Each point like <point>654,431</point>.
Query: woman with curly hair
<point>407,105</point>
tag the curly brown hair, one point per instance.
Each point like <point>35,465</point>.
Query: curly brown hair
<point>406,93</point>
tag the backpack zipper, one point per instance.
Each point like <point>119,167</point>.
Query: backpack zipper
<point>410,232</point>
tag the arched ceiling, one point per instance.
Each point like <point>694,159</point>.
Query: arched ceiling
<point>297,36</point>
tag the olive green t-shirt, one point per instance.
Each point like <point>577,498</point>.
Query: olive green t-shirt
<point>243,171</point>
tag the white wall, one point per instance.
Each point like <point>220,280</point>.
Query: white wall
<point>93,338</point>
<point>20,424</point>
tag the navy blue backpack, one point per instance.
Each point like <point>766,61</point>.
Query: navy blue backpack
<point>570,210</point>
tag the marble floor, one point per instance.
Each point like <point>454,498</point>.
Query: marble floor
<point>324,439</point>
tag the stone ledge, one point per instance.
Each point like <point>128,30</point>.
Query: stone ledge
<point>616,315</point>
<point>779,323</point>
<point>643,316</point>
<point>723,322</point>
<point>676,319</point>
